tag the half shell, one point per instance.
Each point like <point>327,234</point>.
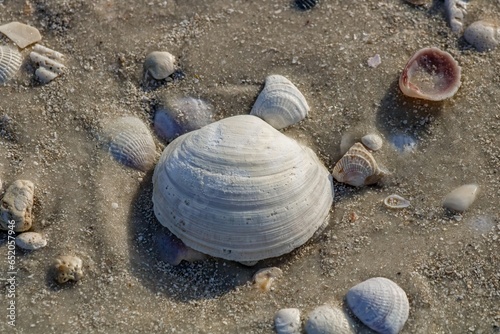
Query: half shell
<point>358,167</point>
<point>430,74</point>
<point>280,103</point>
<point>484,35</point>
<point>240,190</point>
<point>131,143</point>
<point>10,62</point>
<point>380,304</point>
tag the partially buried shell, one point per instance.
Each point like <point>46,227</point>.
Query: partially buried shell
<point>372,141</point>
<point>240,190</point>
<point>484,35</point>
<point>280,103</point>
<point>358,167</point>
<point>430,74</point>
<point>10,62</point>
<point>159,64</point>
<point>306,4</point>
<point>131,143</point>
<point>380,304</point>
<point>326,319</point>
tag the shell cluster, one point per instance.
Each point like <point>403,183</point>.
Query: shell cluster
<point>17,204</point>
<point>49,63</point>
<point>68,268</point>
<point>10,62</point>
<point>240,190</point>
<point>280,103</point>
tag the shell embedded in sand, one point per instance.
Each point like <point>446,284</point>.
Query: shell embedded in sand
<point>484,35</point>
<point>287,321</point>
<point>16,206</point>
<point>305,4</point>
<point>430,74</point>
<point>280,103</point>
<point>358,167</point>
<point>455,12</point>
<point>241,190</point>
<point>396,202</point>
<point>380,304</point>
<point>68,268</point>
<point>10,62</point>
<point>159,65</point>
<point>372,141</point>
<point>326,319</point>
<point>130,143</point>
<point>49,63</point>
<point>461,198</point>
<point>21,34</point>
<point>30,241</point>
<point>264,278</point>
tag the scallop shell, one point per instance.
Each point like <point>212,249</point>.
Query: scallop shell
<point>306,4</point>
<point>329,320</point>
<point>484,35</point>
<point>10,62</point>
<point>240,190</point>
<point>16,205</point>
<point>159,65</point>
<point>287,321</point>
<point>380,304</point>
<point>21,34</point>
<point>67,268</point>
<point>131,143</point>
<point>430,74</point>
<point>461,198</point>
<point>280,103</point>
<point>358,167</point>
<point>396,202</point>
<point>372,141</point>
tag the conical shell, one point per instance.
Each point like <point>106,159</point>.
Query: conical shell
<point>357,167</point>
<point>280,103</point>
<point>380,304</point>
<point>10,62</point>
<point>240,190</point>
<point>329,320</point>
<point>131,143</point>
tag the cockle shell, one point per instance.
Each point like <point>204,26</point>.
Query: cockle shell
<point>31,241</point>
<point>484,35</point>
<point>358,167</point>
<point>396,202</point>
<point>10,62</point>
<point>287,321</point>
<point>430,74</point>
<point>130,143</point>
<point>159,65</point>
<point>21,34</point>
<point>240,190</point>
<point>280,103</point>
<point>326,319</point>
<point>380,304</point>
<point>461,198</point>
<point>372,141</point>
<point>68,267</point>
<point>16,206</point>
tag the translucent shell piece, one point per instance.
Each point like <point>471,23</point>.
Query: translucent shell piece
<point>358,167</point>
<point>10,62</point>
<point>21,34</point>
<point>380,304</point>
<point>159,64</point>
<point>241,190</point>
<point>430,74</point>
<point>484,35</point>
<point>287,321</point>
<point>396,202</point>
<point>280,103</point>
<point>131,143</point>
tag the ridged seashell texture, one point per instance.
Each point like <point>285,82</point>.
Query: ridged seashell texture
<point>280,103</point>
<point>130,143</point>
<point>10,62</point>
<point>305,4</point>
<point>240,190</point>
<point>484,35</point>
<point>430,74</point>
<point>455,12</point>
<point>380,304</point>
<point>357,167</point>
<point>329,320</point>
<point>287,321</point>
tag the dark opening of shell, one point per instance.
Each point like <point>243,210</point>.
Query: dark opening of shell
<point>305,4</point>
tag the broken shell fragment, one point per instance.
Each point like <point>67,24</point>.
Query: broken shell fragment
<point>430,74</point>
<point>159,65</point>
<point>358,167</point>
<point>67,268</point>
<point>10,62</point>
<point>264,278</point>
<point>287,321</point>
<point>396,202</point>
<point>372,141</point>
<point>30,241</point>
<point>306,4</point>
<point>16,206</point>
<point>280,103</point>
<point>380,304</point>
<point>455,12</point>
<point>48,62</point>
<point>461,198</point>
<point>21,34</point>
<point>484,35</point>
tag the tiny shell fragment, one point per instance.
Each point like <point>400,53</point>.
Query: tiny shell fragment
<point>461,198</point>
<point>21,34</point>
<point>396,202</point>
<point>16,206</point>
<point>287,321</point>
<point>374,61</point>
<point>30,241</point>
<point>484,35</point>
<point>67,268</point>
<point>264,278</point>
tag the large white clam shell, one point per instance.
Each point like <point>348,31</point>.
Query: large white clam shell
<point>10,62</point>
<point>240,190</point>
<point>280,103</point>
<point>380,304</point>
<point>130,143</point>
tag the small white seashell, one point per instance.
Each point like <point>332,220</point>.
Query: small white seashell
<point>396,202</point>
<point>130,143</point>
<point>16,205</point>
<point>358,167</point>
<point>10,62</point>
<point>30,241</point>
<point>374,61</point>
<point>159,65</point>
<point>21,34</point>
<point>48,62</point>
<point>287,321</point>
<point>264,278</point>
<point>280,103</point>
<point>380,304</point>
<point>372,141</point>
<point>67,268</point>
<point>484,35</point>
<point>461,198</point>
<point>326,319</point>
<point>455,11</point>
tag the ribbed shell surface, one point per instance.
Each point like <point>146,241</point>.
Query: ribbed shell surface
<point>10,62</point>
<point>240,190</point>
<point>280,103</point>
<point>357,167</point>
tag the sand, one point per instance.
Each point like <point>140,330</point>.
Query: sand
<point>88,205</point>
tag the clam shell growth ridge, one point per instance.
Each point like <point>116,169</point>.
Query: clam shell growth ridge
<point>240,190</point>
<point>10,62</point>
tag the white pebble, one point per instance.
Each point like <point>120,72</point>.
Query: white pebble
<point>30,241</point>
<point>114,205</point>
<point>461,198</point>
